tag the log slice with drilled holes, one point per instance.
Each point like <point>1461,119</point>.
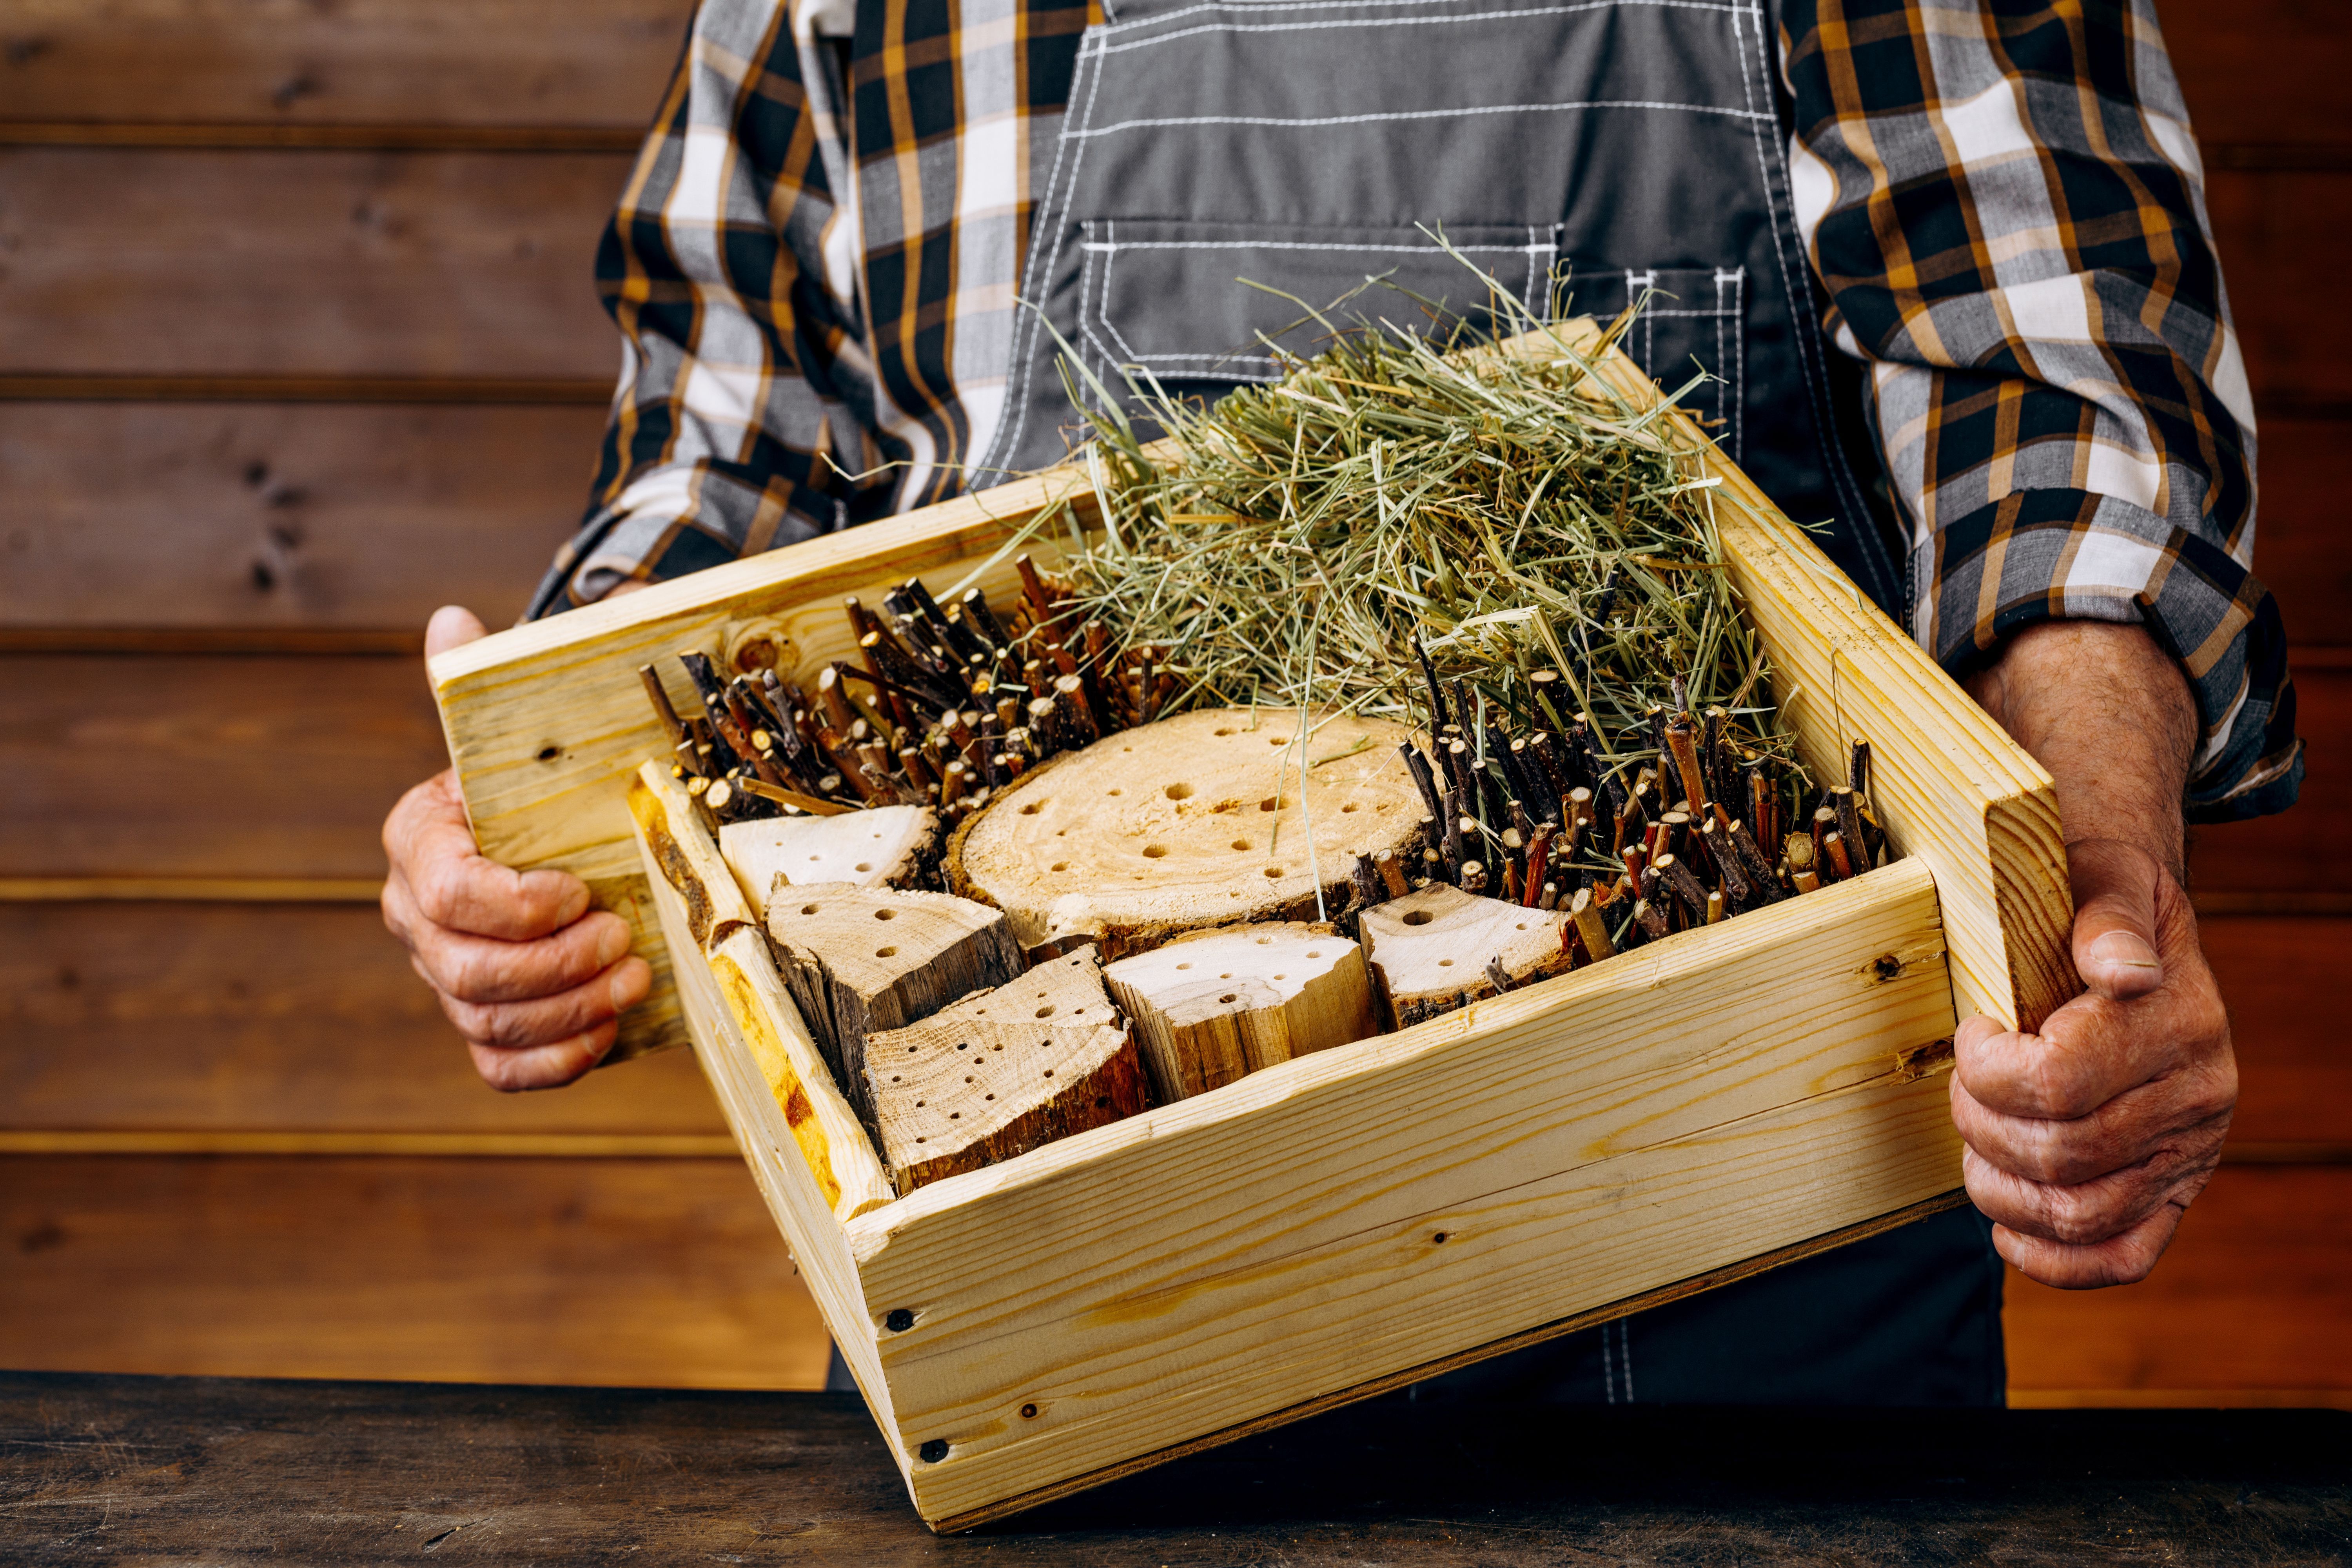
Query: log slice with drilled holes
<point>889,846</point>
<point>1429,949</point>
<point>1212,1006</point>
<point>1002,1071</point>
<point>1193,822</point>
<point>861,960</point>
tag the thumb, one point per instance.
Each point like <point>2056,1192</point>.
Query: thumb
<point>2115,917</point>
<point>452,625</point>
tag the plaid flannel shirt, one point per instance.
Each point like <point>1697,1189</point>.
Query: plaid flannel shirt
<point>813,267</point>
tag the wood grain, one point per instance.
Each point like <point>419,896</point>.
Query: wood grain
<point>212,766</point>
<point>225,263</point>
<point>2306,851</point>
<point>705,915</point>
<point>2255,1293</point>
<point>576,1271</point>
<point>2299,548</point>
<point>261,1019</point>
<point>2267,72</point>
<point>2278,232</point>
<point>156,515</point>
<point>461,62</point>
<point>2282,981</point>
<point>1616,1110</point>
<point>142,1470</point>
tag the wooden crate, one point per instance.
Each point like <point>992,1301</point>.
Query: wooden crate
<point>1706,1107</point>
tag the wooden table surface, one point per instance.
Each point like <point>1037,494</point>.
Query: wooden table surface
<point>201,1470</point>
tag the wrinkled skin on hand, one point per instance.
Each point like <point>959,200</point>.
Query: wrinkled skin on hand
<point>2088,1140</point>
<point>531,978</point>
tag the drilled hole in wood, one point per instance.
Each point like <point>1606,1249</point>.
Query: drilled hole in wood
<point>1033,808</point>
<point>1179,792</point>
<point>549,754</point>
<point>1273,871</point>
<point>1444,963</point>
<point>1184,966</point>
<point>1119,792</point>
<point>883,914</point>
<point>864,866</point>
<point>886,952</point>
<point>1227,997</point>
<point>1154,851</point>
<point>1439,1238</point>
<point>1046,1011</point>
<point>1268,805</point>
<point>1061,865</point>
<point>1888,966</point>
<point>1241,843</point>
<point>1416,917</point>
<point>1349,806</point>
<point>1028,1413</point>
<point>808,908</point>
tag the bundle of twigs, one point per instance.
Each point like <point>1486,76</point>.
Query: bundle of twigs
<point>942,707</point>
<point>1498,547</point>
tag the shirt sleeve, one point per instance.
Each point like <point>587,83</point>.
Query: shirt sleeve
<point>727,270</point>
<point>2003,201</point>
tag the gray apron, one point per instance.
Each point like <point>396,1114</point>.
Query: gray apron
<point>1637,142</point>
<point>1304,146</point>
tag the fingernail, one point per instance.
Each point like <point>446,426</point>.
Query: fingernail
<point>576,904</point>
<point>2121,947</point>
<point>613,945</point>
<point>630,986</point>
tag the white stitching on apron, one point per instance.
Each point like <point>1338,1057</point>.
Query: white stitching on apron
<point>1324,122</point>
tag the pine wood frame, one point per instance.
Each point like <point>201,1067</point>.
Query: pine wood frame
<point>1707,1107</point>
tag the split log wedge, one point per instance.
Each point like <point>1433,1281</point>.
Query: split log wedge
<point>862,960</point>
<point>1001,1072</point>
<point>1214,1006</point>
<point>889,846</point>
<point>1192,822</point>
<point>1429,949</point>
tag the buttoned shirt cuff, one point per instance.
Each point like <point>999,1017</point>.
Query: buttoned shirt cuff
<point>2074,554</point>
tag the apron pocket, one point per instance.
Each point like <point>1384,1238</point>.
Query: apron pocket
<point>1167,297</point>
<point>1697,320</point>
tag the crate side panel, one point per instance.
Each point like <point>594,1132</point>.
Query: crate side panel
<point>733,951</point>
<point>1300,1177</point>
<point>1950,788</point>
<point>797,1203</point>
<point>1395,1298</point>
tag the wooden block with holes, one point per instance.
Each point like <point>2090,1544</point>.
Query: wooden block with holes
<point>1712,1104</point>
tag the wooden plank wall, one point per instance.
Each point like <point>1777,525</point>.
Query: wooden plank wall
<point>302,344</point>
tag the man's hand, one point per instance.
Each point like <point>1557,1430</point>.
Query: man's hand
<point>2087,1141</point>
<point>531,978</point>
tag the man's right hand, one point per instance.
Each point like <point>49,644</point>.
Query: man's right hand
<point>532,979</point>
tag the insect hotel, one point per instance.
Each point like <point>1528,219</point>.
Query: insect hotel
<point>1422,860</point>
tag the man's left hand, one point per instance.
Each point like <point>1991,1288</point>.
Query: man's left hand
<point>2087,1140</point>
